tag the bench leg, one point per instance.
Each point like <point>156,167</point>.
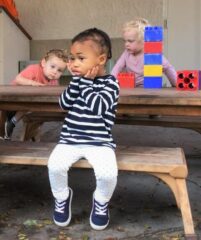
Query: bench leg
<point>171,182</point>
<point>185,209</point>
<point>179,189</point>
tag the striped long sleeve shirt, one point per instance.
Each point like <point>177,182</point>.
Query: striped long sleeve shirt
<point>91,106</point>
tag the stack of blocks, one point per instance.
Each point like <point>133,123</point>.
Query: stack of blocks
<point>153,40</point>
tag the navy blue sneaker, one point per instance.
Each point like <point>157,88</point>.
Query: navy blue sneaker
<point>99,218</point>
<point>62,211</point>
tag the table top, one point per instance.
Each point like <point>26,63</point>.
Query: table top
<point>139,96</point>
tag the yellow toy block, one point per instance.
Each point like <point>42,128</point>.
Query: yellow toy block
<point>153,70</point>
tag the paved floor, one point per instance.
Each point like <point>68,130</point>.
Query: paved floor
<point>142,207</point>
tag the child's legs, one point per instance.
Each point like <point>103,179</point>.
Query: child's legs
<point>103,160</point>
<point>60,160</point>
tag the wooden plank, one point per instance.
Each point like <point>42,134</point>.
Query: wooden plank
<point>190,122</point>
<point>151,109</point>
<point>164,121</point>
<point>142,159</point>
<point>136,96</point>
<point>44,116</point>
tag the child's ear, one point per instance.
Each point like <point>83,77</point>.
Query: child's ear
<point>102,59</point>
<point>43,62</point>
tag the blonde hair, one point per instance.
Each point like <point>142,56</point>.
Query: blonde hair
<point>139,24</point>
<point>60,53</point>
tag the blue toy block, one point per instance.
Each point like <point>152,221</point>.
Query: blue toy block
<point>153,59</point>
<point>153,34</point>
<point>153,82</point>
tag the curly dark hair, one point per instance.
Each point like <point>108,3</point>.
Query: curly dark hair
<point>99,37</point>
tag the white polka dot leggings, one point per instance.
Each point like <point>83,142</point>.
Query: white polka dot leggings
<point>102,159</point>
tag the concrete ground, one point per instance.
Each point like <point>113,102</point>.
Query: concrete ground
<point>142,207</point>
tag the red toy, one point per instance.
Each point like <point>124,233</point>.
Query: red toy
<point>188,80</point>
<point>126,80</point>
<point>153,47</point>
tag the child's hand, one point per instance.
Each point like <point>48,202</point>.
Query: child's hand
<point>92,73</point>
<point>69,67</point>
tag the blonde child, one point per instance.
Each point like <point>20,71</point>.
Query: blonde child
<point>47,72</point>
<point>132,59</point>
<point>91,101</point>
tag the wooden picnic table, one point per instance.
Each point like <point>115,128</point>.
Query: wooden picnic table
<point>165,101</point>
<point>167,164</point>
<point>132,102</point>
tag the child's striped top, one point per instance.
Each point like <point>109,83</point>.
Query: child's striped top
<point>91,106</point>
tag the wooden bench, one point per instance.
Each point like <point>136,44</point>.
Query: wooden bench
<point>37,118</point>
<point>167,164</point>
<point>193,123</point>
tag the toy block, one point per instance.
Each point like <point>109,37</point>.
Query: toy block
<point>153,70</point>
<point>188,80</point>
<point>126,80</point>
<point>153,82</point>
<point>153,59</point>
<point>153,47</point>
<point>153,34</point>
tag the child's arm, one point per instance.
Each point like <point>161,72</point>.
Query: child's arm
<point>170,72</point>
<point>70,94</point>
<point>120,65</point>
<point>99,102</point>
<point>20,80</point>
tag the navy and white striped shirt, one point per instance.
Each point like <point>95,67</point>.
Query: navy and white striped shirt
<point>91,106</point>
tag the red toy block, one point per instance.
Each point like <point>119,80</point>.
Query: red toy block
<point>188,80</point>
<point>153,47</point>
<point>126,80</point>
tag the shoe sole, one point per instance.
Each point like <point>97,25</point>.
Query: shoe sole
<point>96,227</point>
<point>64,224</point>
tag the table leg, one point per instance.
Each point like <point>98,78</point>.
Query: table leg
<point>2,123</point>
